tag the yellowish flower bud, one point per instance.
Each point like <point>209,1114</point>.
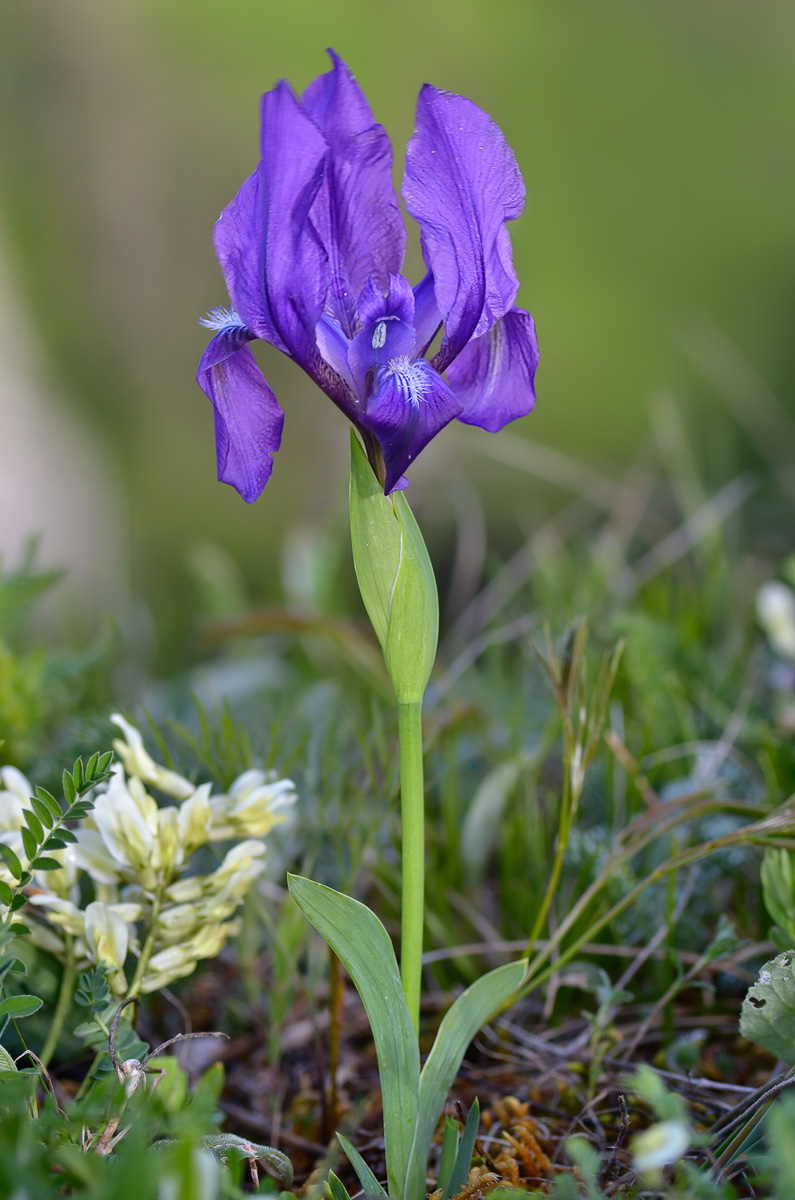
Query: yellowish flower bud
<point>194,820</point>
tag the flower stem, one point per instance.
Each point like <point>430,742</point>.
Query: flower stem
<point>68,978</point>
<point>412,810</point>
<point>148,946</point>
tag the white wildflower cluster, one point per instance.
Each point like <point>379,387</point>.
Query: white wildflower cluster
<point>134,856</point>
<point>775,609</point>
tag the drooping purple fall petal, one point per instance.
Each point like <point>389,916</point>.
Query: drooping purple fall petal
<point>461,185</point>
<point>493,375</point>
<point>409,405</point>
<point>248,420</point>
<point>356,211</point>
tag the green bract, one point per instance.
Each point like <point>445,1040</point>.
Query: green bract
<point>395,579</point>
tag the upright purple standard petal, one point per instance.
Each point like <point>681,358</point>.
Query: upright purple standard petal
<point>356,212</point>
<point>248,420</point>
<point>493,376</point>
<point>409,404</point>
<point>275,267</point>
<point>461,185</point>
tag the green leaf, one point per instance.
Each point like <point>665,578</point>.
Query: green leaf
<point>10,963</point>
<point>395,578</point>
<point>375,538</point>
<point>18,902</point>
<point>414,623</point>
<point>29,843</point>
<point>43,863</point>
<point>53,842</point>
<point>370,1185</point>
<point>11,861</point>
<point>460,1024</point>
<point>91,766</point>
<point>79,810</point>
<point>449,1150</point>
<point>6,1061</point>
<point>463,1159</point>
<point>46,818</point>
<point>222,1143</point>
<point>6,895</point>
<point>77,775</point>
<point>337,1189</point>
<point>483,820</point>
<point>104,762</point>
<point>69,789</point>
<point>362,944</point>
<point>18,929</point>
<point>768,1012</point>
<point>20,1006</point>
<point>47,798</point>
<point>34,825</point>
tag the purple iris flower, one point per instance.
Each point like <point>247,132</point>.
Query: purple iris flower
<point>312,248</point>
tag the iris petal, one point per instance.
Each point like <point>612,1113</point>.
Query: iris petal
<point>356,211</point>
<point>493,376</point>
<point>248,420</point>
<point>409,405</point>
<point>427,317</point>
<point>275,267</point>
<point>461,185</point>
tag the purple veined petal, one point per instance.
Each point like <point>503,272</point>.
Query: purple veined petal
<point>333,347</point>
<point>398,301</point>
<point>240,250</point>
<point>409,405</point>
<point>493,375</point>
<point>387,331</point>
<point>248,420</point>
<point>275,267</point>
<point>427,317</point>
<point>356,212</point>
<point>461,185</point>
<point>375,347</point>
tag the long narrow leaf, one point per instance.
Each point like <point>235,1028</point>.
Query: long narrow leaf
<point>463,1160</point>
<point>370,1185</point>
<point>461,1022</point>
<point>449,1150</point>
<point>337,1188</point>
<point>362,944</point>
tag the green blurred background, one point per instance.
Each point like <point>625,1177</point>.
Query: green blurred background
<point>657,254</point>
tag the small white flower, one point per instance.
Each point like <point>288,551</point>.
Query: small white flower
<point>194,820</point>
<point>91,854</point>
<point>139,762</point>
<point>127,821</point>
<point>108,938</point>
<point>775,610</point>
<point>15,793</point>
<point>659,1145</point>
<point>253,806</point>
